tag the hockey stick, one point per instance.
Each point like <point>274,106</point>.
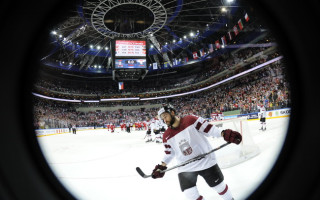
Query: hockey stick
<point>199,157</point>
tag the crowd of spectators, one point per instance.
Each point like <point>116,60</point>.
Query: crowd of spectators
<point>149,86</point>
<point>268,85</point>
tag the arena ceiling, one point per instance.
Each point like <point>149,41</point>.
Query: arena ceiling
<point>81,42</point>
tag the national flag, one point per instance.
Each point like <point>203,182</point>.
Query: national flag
<point>246,17</point>
<point>201,52</point>
<point>217,43</point>
<point>195,55</point>
<point>235,30</point>
<point>224,41</point>
<point>240,24</point>
<point>176,61</point>
<point>230,36</point>
<point>121,85</point>
<point>154,65</point>
<point>186,59</point>
<point>210,48</point>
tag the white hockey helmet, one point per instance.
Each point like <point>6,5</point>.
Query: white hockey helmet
<point>165,108</point>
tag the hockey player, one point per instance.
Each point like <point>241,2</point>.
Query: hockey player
<point>74,129</point>
<point>128,126</point>
<point>156,130</point>
<point>70,127</point>
<point>145,125</point>
<point>139,126</point>
<point>162,129</point>
<point>184,139</point>
<point>217,116</point>
<point>149,127</point>
<point>112,127</point>
<point>262,115</point>
<point>123,126</point>
<point>220,115</point>
<point>214,116</point>
<point>108,126</point>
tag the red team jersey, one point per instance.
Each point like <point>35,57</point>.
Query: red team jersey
<point>190,140</point>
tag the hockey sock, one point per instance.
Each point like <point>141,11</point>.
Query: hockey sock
<point>223,190</point>
<point>193,194</point>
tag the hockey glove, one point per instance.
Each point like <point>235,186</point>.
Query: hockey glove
<point>232,136</point>
<point>156,172</point>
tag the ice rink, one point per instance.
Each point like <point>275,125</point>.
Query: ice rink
<point>98,164</point>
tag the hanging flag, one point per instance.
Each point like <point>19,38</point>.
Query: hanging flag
<point>235,30</point>
<point>177,61</point>
<point>240,24</point>
<point>224,41</point>
<point>246,17</point>
<point>201,52</point>
<point>195,55</point>
<point>121,86</point>
<point>210,48</point>
<point>155,65</point>
<point>165,64</point>
<point>217,43</point>
<point>186,59</point>
<point>230,36</point>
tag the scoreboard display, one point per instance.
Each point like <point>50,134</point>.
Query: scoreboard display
<point>131,63</point>
<point>130,48</point>
<point>129,58</point>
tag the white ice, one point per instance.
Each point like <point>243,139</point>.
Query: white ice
<point>98,164</point>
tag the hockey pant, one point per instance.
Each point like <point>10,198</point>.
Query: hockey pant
<point>149,138</point>
<point>158,138</point>
<point>214,178</point>
<point>263,123</point>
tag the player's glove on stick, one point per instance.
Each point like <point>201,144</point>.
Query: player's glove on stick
<point>156,172</point>
<point>232,136</point>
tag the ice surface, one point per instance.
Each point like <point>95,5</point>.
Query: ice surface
<point>98,164</point>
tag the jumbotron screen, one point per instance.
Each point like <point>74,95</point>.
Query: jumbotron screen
<point>130,48</point>
<point>130,63</point>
